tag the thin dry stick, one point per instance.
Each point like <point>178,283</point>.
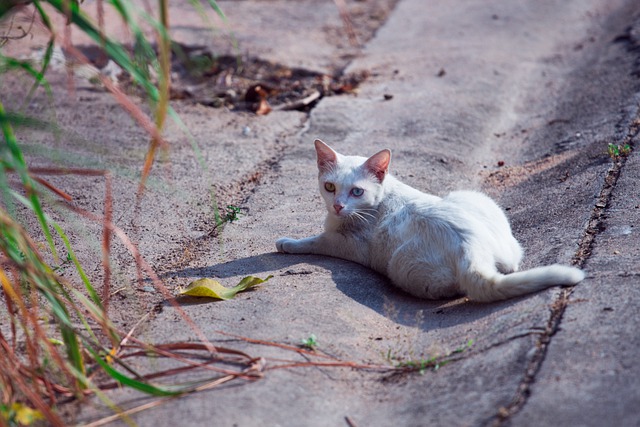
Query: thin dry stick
<point>336,364</point>
<point>100,13</point>
<point>106,244</point>
<point>66,42</point>
<point>275,344</point>
<point>52,188</point>
<point>163,89</point>
<point>126,338</point>
<point>45,184</point>
<point>294,364</point>
<point>162,352</point>
<point>162,106</point>
<point>191,346</point>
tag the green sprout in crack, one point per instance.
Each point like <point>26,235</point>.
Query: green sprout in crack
<point>615,150</point>
<point>60,268</point>
<point>422,365</point>
<point>310,343</point>
<point>232,213</point>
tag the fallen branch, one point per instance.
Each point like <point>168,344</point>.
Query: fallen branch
<point>300,103</point>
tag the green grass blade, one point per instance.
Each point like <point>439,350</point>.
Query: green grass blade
<point>43,15</point>
<point>81,377</point>
<point>20,166</point>
<point>5,196</point>
<point>17,121</point>
<point>216,8</point>
<point>130,382</point>
<point>73,348</point>
<point>85,280</point>
<point>39,78</point>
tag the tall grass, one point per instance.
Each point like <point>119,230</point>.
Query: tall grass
<point>42,362</point>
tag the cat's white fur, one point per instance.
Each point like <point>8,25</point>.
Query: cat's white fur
<point>429,246</point>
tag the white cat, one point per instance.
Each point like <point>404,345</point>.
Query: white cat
<point>429,246</point>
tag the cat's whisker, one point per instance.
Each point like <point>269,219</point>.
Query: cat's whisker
<point>360,216</point>
<point>364,213</point>
<point>353,217</point>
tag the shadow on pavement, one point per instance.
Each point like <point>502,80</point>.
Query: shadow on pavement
<point>378,294</point>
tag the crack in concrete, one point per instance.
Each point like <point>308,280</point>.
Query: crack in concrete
<point>558,308</point>
<point>238,193</point>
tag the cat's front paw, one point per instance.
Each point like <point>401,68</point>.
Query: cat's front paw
<point>285,245</point>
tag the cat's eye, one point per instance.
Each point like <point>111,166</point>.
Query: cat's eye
<point>330,187</point>
<point>357,192</point>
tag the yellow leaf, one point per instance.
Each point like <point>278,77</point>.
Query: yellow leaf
<point>25,415</point>
<point>213,289</point>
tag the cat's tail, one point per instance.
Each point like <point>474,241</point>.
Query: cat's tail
<point>494,286</point>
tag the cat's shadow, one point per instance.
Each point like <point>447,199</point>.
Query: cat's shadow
<point>358,283</point>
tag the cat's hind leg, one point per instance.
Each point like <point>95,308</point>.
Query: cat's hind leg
<point>508,255</point>
<point>421,275</point>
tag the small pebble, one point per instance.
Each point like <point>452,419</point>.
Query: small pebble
<point>246,130</point>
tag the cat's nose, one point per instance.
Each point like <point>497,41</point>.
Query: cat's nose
<point>338,208</point>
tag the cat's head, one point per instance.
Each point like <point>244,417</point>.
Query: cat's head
<point>351,186</point>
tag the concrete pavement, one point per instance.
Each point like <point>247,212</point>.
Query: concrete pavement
<point>517,98</point>
<point>530,85</point>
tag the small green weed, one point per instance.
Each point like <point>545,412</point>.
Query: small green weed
<point>422,365</point>
<point>232,213</point>
<point>310,343</point>
<point>615,150</point>
<point>60,268</point>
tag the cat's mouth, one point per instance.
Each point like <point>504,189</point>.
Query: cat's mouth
<point>342,213</point>
<point>352,216</point>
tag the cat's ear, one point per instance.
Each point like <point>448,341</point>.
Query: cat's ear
<point>327,158</point>
<point>378,164</point>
